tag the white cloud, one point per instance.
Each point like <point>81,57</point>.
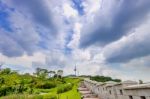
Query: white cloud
<point>74,43</point>
<point>69,11</point>
<point>92,7</point>
<point>24,61</point>
<point>35,41</point>
<point>129,47</point>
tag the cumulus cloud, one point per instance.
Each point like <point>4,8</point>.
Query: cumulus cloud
<point>130,47</point>
<point>102,37</point>
<point>39,11</point>
<point>23,38</point>
<point>114,20</point>
<point>138,68</point>
<point>23,61</point>
<point>32,26</point>
<point>56,59</point>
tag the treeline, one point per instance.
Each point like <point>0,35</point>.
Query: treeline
<point>103,79</point>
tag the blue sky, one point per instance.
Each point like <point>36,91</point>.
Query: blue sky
<point>102,37</point>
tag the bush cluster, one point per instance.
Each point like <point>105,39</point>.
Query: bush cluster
<point>45,85</point>
<point>103,79</point>
<point>6,90</point>
<point>64,88</point>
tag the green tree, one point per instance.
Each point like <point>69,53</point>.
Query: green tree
<point>5,71</point>
<point>41,73</point>
<point>140,82</point>
<point>59,73</point>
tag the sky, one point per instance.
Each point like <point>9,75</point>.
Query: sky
<point>100,37</point>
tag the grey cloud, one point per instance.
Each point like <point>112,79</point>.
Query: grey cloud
<point>56,59</point>
<point>123,17</point>
<point>129,51</point>
<point>32,25</point>
<point>8,46</point>
<point>39,11</point>
<point>16,44</point>
<point>131,47</point>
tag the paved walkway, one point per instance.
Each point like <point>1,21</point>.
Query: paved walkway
<point>86,93</point>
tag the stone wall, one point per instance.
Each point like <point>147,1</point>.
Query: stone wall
<point>123,90</point>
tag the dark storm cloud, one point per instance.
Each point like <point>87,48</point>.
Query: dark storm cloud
<point>123,18</point>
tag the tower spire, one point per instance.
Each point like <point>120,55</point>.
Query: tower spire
<point>75,70</point>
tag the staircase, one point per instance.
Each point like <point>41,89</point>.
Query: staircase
<point>86,93</point>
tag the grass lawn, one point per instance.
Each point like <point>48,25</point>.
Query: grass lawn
<point>72,94</point>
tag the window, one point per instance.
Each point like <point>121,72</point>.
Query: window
<point>109,91</point>
<point>143,97</point>
<point>121,92</point>
<point>130,97</point>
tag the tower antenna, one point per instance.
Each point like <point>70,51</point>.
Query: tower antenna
<point>75,70</point>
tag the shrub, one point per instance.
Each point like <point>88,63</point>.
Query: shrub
<point>104,79</point>
<point>64,88</point>
<point>11,89</point>
<point>5,90</point>
<point>45,85</point>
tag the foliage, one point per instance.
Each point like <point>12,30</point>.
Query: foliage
<point>64,88</point>
<point>104,79</point>
<point>41,73</point>
<point>26,86</point>
<point>140,82</point>
<point>5,71</point>
<point>14,83</point>
<point>45,85</point>
<point>72,94</point>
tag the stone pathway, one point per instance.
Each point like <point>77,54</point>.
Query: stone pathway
<point>86,93</point>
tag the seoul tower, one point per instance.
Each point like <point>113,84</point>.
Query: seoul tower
<point>75,70</point>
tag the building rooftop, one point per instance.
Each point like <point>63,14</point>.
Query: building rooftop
<point>138,86</point>
<point>129,82</point>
